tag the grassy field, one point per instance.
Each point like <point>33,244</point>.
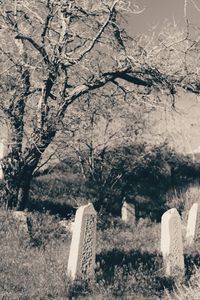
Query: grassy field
<point>33,266</point>
<point>128,262</point>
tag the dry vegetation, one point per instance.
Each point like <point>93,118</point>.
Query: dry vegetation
<point>128,263</point>
<point>52,85</point>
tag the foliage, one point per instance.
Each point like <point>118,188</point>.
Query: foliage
<point>141,174</point>
<point>150,177</point>
<point>54,54</point>
<point>189,291</point>
<point>184,199</point>
<point>38,271</point>
<point>43,230</point>
<point>57,57</point>
<point>128,262</point>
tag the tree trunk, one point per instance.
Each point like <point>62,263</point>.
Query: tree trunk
<point>17,179</point>
<point>16,188</point>
<point>23,192</point>
<point>18,168</point>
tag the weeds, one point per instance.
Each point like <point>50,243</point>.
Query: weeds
<point>128,262</point>
<point>34,266</point>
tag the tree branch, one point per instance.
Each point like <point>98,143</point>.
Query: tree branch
<point>94,83</point>
<point>98,35</point>
<point>39,48</point>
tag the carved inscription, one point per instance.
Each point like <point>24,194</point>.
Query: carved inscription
<point>88,248</point>
<point>83,246</point>
<point>175,257</point>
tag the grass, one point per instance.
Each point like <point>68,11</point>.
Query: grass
<point>30,270</point>
<point>33,266</point>
<point>190,291</point>
<point>128,261</point>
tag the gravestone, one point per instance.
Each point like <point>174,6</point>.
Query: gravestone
<point>3,152</point>
<point>66,225</point>
<point>128,213</point>
<point>192,230</point>
<point>82,254</point>
<point>21,219</point>
<point>171,244</point>
<point>1,173</point>
<point>1,157</point>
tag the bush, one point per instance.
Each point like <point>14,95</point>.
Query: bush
<point>146,176</point>
<point>129,265</point>
<point>29,272</point>
<point>44,228</point>
<point>143,175</point>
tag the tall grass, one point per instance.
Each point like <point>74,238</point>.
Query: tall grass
<point>34,265</point>
<point>183,200</point>
<point>190,290</point>
<point>128,262</point>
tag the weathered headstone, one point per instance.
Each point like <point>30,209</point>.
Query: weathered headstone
<point>3,152</point>
<point>192,230</point>
<point>66,225</point>
<point>128,213</point>
<point>21,220</point>
<point>82,254</point>
<point>1,173</point>
<point>171,244</point>
<point>1,157</point>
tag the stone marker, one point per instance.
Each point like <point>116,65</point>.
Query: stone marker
<point>171,244</point>
<point>3,152</point>
<point>21,219</point>
<point>128,213</point>
<point>192,230</point>
<point>1,157</point>
<point>1,173</point>
<point>82,254</point>
<point>2,149</point>
<point>67,225</point>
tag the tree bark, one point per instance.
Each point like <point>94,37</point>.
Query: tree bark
<point>18,168</point>
<point>23,192</point>
<point>16,188</point>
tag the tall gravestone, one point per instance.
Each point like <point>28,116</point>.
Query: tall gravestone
<point>3,150</point>
<point>21,219</point>
<point>171,244</point>
<point>128,213</point>
<point>82,254</point>
<point>66,225</point>
<point>1,157</point>
<point>192,230</point>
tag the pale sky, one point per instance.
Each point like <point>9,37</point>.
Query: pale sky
<point>183,128</point>
<point>157,11</point>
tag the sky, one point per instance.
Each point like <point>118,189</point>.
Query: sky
<point>157,11</point>
<point>182,128</point>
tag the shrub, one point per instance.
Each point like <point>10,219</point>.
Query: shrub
<point>44,228</point>
<point>146,176</point>
<point>143,175</point>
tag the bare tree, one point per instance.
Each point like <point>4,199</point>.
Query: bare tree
<point>97,126</point>
<point>54,52</point>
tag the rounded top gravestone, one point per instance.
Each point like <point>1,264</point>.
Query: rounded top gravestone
<point>171,243</point>
<point>83,245</point>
